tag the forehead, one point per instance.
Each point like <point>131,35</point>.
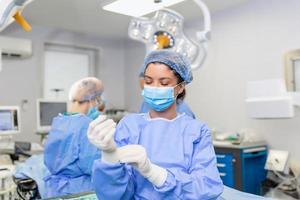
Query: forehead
<point>158,69</point>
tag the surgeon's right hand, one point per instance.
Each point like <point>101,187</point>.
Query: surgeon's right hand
<point>101,134</point>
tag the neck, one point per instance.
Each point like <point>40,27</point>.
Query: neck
<point>170,113</point>
<point>74,108</point>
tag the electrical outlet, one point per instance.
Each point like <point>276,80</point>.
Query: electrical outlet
<point>277,161</point>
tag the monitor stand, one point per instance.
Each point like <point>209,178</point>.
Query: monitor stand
<point>43,136</point>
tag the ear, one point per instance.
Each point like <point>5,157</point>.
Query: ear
<point>180,88</point>
<point>142,83</point>
<point>84,107</point>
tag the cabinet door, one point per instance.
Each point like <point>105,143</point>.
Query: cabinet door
<point>225,167</point>
<point>253,169</point>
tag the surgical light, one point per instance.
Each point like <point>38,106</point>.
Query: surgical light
<point>136,8</point>
<point>165,31</point>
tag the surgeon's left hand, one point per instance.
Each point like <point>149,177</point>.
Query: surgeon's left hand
<point>136,156</point>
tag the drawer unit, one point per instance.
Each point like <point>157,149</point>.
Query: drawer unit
<point>225,167</point>
<point>242,167</point>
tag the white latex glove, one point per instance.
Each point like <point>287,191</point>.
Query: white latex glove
<point>136,156</point>
<point>101,134</point>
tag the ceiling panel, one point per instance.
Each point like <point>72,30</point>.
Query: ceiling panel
<point>86,16</point>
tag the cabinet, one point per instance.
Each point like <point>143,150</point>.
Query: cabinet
<point>242,166</point>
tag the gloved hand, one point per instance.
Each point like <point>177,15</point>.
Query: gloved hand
<point>101,134</point>
<point>136,156</point>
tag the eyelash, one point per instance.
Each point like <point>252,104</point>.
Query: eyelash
<point>149,82</point>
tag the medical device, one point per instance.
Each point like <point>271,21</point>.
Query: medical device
<point>165,31</point>
<point>46,111</point>
<point>10,122</point>
<point>277,161</point>
<point>7,186</point>
<point>287,176</point>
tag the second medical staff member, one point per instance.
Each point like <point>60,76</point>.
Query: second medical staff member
<point>161,154</point>
<point>68,154</point>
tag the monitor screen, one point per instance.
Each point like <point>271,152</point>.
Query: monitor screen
<point>47,110</point>
<point>9,120</point>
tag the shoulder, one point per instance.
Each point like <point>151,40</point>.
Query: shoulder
<point>182,107</point>
<point>195,126</point>
<point>191,120</point>
<point>78,121</point>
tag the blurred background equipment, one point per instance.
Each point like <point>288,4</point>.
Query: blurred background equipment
<point>46,111</point>
<point>116,114</point>
<point>283,176</point>
<point>10,122</point>
<point>7,186</point>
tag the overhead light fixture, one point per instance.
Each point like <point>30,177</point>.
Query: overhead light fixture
<point>136,8</point>
<point>165,31</point>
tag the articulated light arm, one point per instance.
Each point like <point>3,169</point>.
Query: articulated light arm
<point>205,34</point>
<point>202,36</point>
<point>10,10</point>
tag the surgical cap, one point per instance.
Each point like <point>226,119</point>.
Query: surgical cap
<point>174,60</point>
<point>86,89</point>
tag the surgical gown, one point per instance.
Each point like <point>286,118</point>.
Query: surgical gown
<point>69,156</point>
<point>181,107</point>
<point>182,146</point>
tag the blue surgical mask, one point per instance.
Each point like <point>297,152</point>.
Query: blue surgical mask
<point>93,113</point>
<point>159,98</point>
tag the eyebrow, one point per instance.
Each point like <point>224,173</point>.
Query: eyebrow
<point>163,78</point>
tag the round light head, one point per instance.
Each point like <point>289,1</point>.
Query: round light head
<point>163,40</point>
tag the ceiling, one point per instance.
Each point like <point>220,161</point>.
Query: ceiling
<point>86,16</point>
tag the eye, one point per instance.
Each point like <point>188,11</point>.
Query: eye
<point>148,82</point>
<point>165,82</point>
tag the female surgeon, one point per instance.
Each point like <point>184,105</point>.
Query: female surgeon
<point>68,154</point>
<point>161,154</point>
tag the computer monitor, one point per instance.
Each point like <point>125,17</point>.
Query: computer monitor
<point>46,111</point>
<point>10,122</point>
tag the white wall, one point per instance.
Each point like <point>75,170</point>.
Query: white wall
<point>248,43</point>
<point>22,79</point>
<point>134,55</point>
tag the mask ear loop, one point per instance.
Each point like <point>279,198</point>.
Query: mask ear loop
<point>182,82</point>
<point>97,101</point>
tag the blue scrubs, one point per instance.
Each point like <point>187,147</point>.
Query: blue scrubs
<point>183,146</point>
<point>69,156</point>
<point>181,107</point>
